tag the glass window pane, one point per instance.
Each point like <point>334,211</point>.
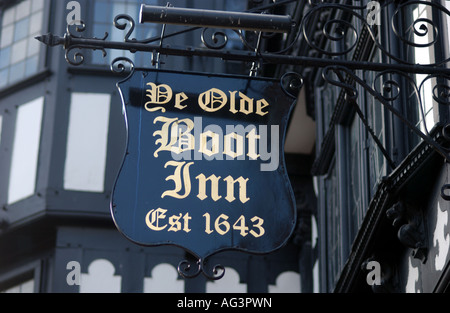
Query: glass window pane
<point>7,36</point>
<point>21,29</point>
<point>5,57</point>
<point>31,66</point>
<point>17,72</point>
<point>36,23</point>
<point>19,51</point>
<point>37,5</point>
<point>8,16</point>
<point>118,8</point>
<point>23,9</point>
<point>133,10</point>
<point>4,78</point>
<point>32,47</point>
<point>101,12</point>
<point>26,287</point>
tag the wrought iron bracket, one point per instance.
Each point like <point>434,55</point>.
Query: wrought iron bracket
<point>335,22</point>
<point>411,228</point>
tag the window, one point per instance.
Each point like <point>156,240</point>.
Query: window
<point>20,52</point>
<point>22,279</point>
<point>25,154</point>
<point>87,142</point>
<point>375,112</point>
<point>355,177</point>
<point>422,35</point>
<point>104,13</point>
<point>1,120</point>
<point>25,287</point>
<point>333,237</point>
<point>424,55</point>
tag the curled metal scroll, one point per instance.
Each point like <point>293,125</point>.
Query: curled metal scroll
<point>217,40</point>
<point>391,82</point>
<point>122,26</point>
<point>192,269</point>
<point>122,65</point>
<point>292,83</point>
<point>122,21</point>
<point>419,27</point>
<point>386,101</point>
<point>79,28</point>
<point>445,194</point>
<point>421,32</point>
<point>78,57</point>
<point>333,29</point>
<point>441,88</point>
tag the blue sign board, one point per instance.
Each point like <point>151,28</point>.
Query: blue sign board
<point>204,167</point>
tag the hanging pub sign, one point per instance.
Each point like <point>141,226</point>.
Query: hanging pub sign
<point>204,167</point>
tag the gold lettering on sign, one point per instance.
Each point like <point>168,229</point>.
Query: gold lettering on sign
<point>246,104</point>
<point>179,98</point>
<point>208,100</point>
<point>260,105</point>
<point>222,225</point>
<point>242,189</point>
<point>182,177</point>
<point>212,100</point>
<point>238,145</point>
<point>175,224</point>
<point>153,217</point>
<point>233,102</point>
<point>177,136</point>
<point>215,143</point>
<point>252,140</point>
<point>173,136</point>
<point>177,179</point>
<point>156,221</point>
<point>214,187</point>
<point>215,99</point>
<point>158,95</point>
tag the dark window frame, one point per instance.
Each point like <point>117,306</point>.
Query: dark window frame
<point>42,65</point>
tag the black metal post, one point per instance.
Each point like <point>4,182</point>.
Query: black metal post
<point>216,19</point>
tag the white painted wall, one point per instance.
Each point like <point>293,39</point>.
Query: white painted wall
<point>87,142</point>
<point>25,154</point>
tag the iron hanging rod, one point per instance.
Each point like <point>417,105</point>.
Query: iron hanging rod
<point>69,43</point>
<point>216,19</point>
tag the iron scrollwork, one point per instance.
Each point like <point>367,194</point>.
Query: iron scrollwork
<point>193,268</point>
<point>335,30</point>
<point>122,65</point>
<point>422,32</point>
<point>389,93</point>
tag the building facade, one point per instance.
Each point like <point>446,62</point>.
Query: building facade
<point>380,164</point>
<point>366,147</point>
<point>62,142</point>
